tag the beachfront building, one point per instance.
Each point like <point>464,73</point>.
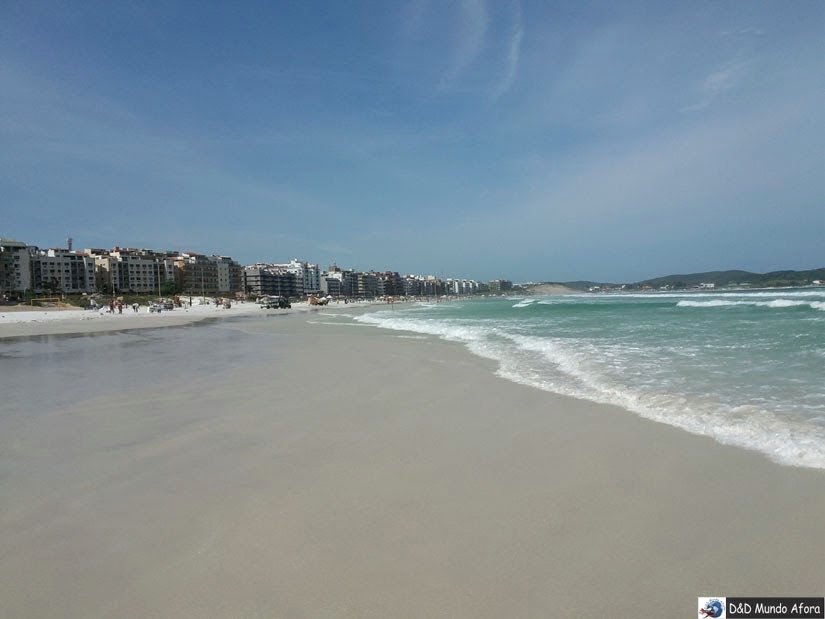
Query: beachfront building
<point>309,275</point>
<point>145,271</point>
<point>367,285</point>
<point>497,286</point>
<point>129,270</point>
<point>353,284</point>
<point>330,286</point>
<point>103,269</point>
<point>338,282</point>
<point>392,283</point>
<point>380,285</point>
<point>271,280</point>
<point>62,271</point>
<point>332,281</point>
<point>148,271</point>
<point>419,286</point>
<point>15,268</point>
<point>229,274</point>
<point>349,283</point>
<point>461,286</point>
<point>196,274</point>
<point>413,286</point>
<point>434,286</point>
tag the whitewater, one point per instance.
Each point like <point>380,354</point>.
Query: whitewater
<point>743,367</point>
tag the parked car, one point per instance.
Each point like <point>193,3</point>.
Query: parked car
<point>275,303</point>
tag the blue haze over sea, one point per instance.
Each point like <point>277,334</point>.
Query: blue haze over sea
<point>744,367</point>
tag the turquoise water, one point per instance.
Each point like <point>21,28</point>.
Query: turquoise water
<point>746,368</point>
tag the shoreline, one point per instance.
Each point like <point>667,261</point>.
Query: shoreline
<point>67,322</point>
<point>410,481</point>
<point>79,323</point>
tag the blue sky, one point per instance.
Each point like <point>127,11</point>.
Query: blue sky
<point>530,140</point>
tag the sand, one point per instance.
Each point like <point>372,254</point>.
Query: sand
<point>23,321</point>
<point>357,473</point>
<point>548,290</point>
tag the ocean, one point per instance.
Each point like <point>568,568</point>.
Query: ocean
<point>746,368</point>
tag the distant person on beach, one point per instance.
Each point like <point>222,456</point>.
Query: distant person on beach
<point>135,307</point>
<point>112,306</point>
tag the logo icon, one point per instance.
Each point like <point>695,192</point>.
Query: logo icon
<point>711,608</point>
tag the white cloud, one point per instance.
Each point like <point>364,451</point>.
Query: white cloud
<point>691,177</point>
<point>513,54</point>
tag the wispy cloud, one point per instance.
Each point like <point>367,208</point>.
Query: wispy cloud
<point>471,35</point>
<point>716,84</point>
<point>568,133</point>
<point>513,54</point>
<point>742,32</point>
<point>732,172</point>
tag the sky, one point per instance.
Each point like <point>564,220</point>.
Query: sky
<point>527,140</point>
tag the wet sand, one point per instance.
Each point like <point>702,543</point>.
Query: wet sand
<point>350,472</point>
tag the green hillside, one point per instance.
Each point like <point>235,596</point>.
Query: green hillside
<point>736,278</point>
<point>722,279</point>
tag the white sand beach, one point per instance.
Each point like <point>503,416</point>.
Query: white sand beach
<point>350,472</point>
<point>21,321</point>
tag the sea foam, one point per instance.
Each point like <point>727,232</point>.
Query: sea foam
<point>596,370</point>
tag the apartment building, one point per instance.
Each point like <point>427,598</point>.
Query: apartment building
<point>330,286</point>
<point>392,283</point>
<point>15,268</point>
<point>146,271</point>
<point>416,285</point>
<point>368,285</point>
<point>349,283</point>
<point>132,270</point>
<point>309,275</point>
<point>332,281</point>
<point>497,286</point>
<point>229,273</point>
<point>460,286</point>
<point>196,274</point>
<point>271,280</point>
<point>338,282</point>
<point>63,271</point>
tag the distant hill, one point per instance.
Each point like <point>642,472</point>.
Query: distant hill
<point>721,279</point>
<point>736,278</point>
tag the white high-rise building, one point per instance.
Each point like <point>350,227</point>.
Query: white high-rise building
<point>308,274</point>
